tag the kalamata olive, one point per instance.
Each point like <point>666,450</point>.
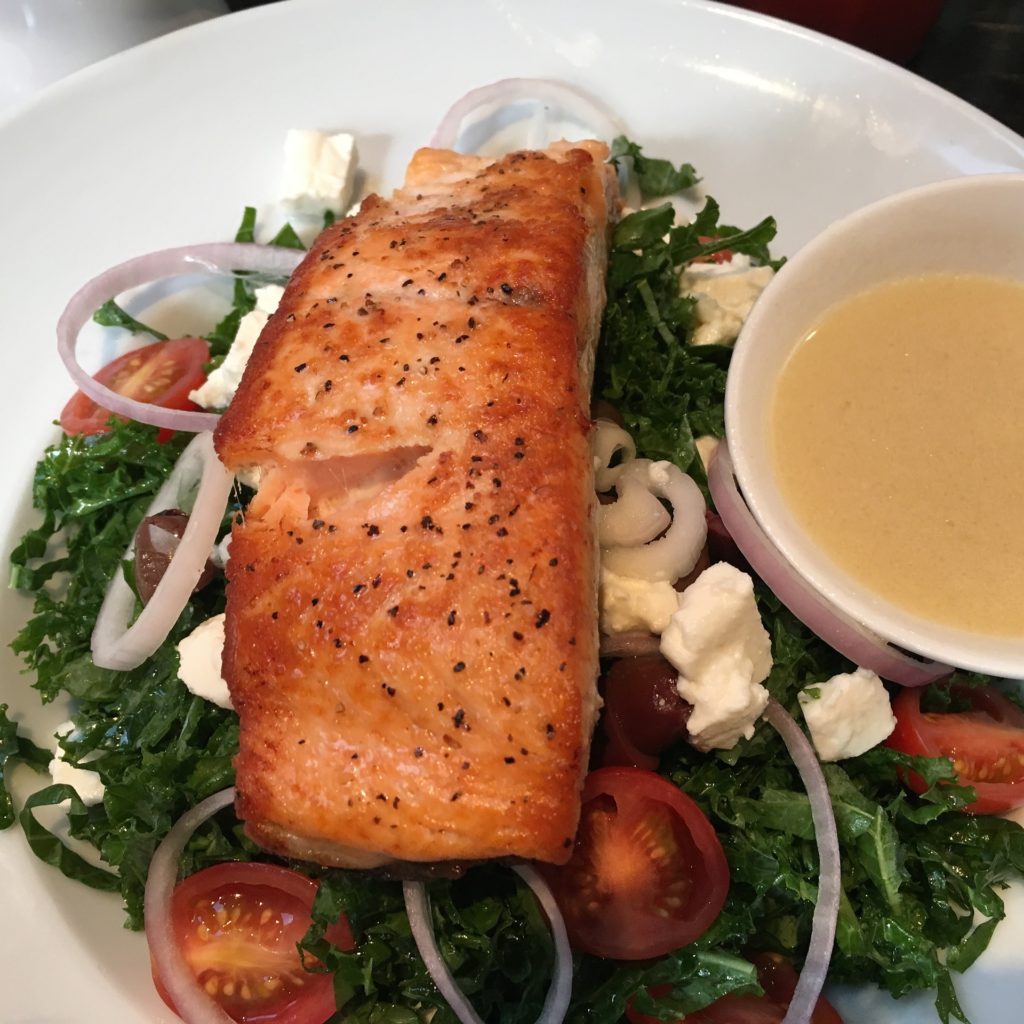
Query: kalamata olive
<point>644,713</point>
<point>601,409</point>
<point>156,540</point>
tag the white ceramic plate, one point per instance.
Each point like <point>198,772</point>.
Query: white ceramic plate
<point>164,144</point>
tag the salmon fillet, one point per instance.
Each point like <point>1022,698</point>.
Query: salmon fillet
<point>411,635</point>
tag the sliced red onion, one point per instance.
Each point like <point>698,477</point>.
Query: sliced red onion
<point>556,1003</point>
<point>599,120</point>
<point>826,907</point>
<point>675,553</point>
<point>629,645</point>
<point>190,1000</point>
<point>838,630</point>
<point>117,645</point>
<point>218,257</point>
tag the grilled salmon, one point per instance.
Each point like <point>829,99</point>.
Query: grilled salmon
<point>411,634</point>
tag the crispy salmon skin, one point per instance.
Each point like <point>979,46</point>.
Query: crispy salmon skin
<point>411,636</point>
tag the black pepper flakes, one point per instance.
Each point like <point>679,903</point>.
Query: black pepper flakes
<point>317,524</point>
<point>459,666</point>
<point>353,427</point>
<point>343,358</point>
<point>418,752</point>
<point>502,531</point>
<point>516,635</point>
<point>372,530</point>
<point>455,796</point>
<point>393,610</point>
<point>549,729</point>
<point>328,384</point>
<point>451,617</point>
<point>358,588</point>
<point>375,582</point>
<point>458,718</point>
<point>510,760</point>
<point>300,367</point>
<point>542,618</point>
<point>480,435</point>
<point>552,562</point>
<point>363,659</point>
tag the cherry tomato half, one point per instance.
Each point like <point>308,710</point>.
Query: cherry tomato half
<point>162,374</point>
<point>778,979</point>
<point>647,874</point>
<point>985,743</point>
<point>237,926</point>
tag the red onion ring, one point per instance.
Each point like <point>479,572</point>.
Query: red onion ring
<point>629,645</point>
<point>573,101</point>
<point>217,257</point>
<point>190,1000</point>
<point>826,908</point>
<point>556,1003</point>
<point>117,645</point>
<point>837,629</point>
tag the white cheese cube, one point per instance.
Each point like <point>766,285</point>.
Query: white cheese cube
<point>319,172</point>
<point>848,715</point>
<point>86,783</point>
<point>630,604</point>
<point>219,388</point>
<point>725,293</point>
<point>717,643</point>
<point>200,662</point>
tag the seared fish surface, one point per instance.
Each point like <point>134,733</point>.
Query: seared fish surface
<point>411,636</point>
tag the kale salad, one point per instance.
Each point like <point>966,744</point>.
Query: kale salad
<point>921,878</point>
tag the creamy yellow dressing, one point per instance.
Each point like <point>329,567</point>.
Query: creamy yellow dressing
<point>897,432</point>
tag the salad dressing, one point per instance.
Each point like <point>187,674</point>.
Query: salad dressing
<point>897,433</point>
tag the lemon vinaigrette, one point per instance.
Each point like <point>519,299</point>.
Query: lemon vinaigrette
<point>897,433</point>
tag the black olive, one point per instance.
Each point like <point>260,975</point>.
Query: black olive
<point>156,540</point>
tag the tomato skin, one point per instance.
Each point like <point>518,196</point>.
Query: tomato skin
<point>647,874</point>
<point>237,926</point>
<point>162,373</point>
<point>776,976</point>
<point>985,744</point>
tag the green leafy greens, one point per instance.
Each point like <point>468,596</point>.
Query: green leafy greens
<point>915,869</point>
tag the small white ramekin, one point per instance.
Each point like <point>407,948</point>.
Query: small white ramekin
<point>967,225</point>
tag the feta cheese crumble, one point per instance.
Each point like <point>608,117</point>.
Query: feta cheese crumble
<point>319,172</point>
<point>200,662</point>
<point>725,293</point>
<point>631,604</point>
<point>717,643</point>
<point>87,784</point>
<point>219,388</point>
<point>848,715</point>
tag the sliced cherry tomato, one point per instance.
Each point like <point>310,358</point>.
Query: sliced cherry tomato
<point>985,743</point>
<point>647,874</point>
<point>162,374</point>
<point>778,979</point>
<point>237,926</point>
<point>722,256</point>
